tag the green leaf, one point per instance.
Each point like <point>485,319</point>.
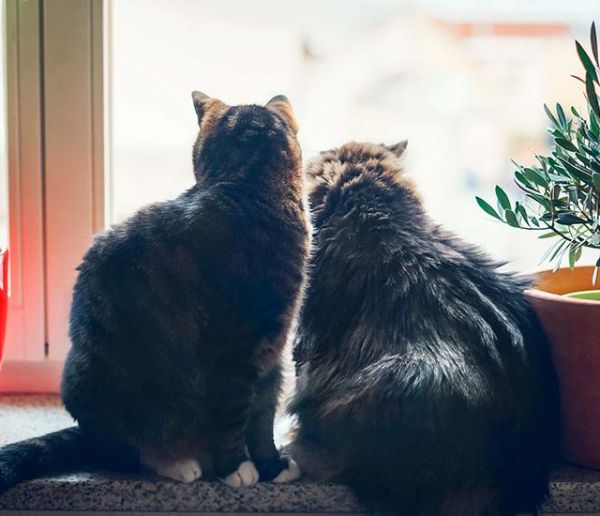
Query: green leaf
<point>591,152</point>
<point>594,42</point>
<point>596,180</point>
<point>591,94</point>
<point>550,234</point>
<point>520,177</point>
<point>551,116</point>
<point>541,200</point>
<point>487,208</point>
<point>583,157</point>
<point>555,192</point>
<point>594,127</point>
<point>566,144</point>
<point>573,110</point>
<point>572,257</point>
<point>503,198</point>
<point>561,203</point>
<point>561,115</point>
<point>587,62</point>
<point>576,171</point>
<point>511,218</point>
<point>558,178</point>
<point>574,254</point>
<point>535,176</point>
<point>520,209</point>
<point>568,219</point>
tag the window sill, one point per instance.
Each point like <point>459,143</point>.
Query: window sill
<point>573,490</point>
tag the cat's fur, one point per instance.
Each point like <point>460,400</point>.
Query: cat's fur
<point>180,314</point>
<point>424,379</point>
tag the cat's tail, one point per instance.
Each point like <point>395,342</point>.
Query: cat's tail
<point>68,450</point>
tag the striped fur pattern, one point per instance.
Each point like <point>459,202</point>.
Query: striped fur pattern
<point>424,380</point>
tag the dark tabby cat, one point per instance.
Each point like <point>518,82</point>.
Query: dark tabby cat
<point>180,315</point>
<point>424,379</point>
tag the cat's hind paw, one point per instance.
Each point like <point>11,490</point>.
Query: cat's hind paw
<point>184,470</point>
<point>278,469</point>
<point>245,475</point>
<point>289,474</point>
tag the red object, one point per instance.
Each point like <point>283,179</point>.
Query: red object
<point>3,298</point>
<point>573,326</point>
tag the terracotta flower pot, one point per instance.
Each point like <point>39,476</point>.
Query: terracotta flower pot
<point>3,298</point>
<point>573,326</point>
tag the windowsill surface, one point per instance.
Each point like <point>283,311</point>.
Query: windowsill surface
<point>573,490</point>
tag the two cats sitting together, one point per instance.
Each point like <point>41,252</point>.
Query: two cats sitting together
<point>423,378</point>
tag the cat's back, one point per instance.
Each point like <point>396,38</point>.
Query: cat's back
<point>206,248</point>
<point>155,225</point>
<point>369,216</point>
<point>393,276</point>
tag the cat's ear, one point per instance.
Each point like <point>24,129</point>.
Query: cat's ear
<point>282,105</point>
<point>398,148</point>
<point>200,103</point>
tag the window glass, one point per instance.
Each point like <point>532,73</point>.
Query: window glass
<point>463,81</point>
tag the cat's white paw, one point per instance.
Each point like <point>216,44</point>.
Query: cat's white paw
<point>184,470</point>
<point>292,472</point>
<point>245,475</point>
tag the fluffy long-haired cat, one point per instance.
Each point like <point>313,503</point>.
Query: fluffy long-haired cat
<point>180,314</point>
<point>424,379</point>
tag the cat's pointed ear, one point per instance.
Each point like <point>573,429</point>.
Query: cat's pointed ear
<point>200,102</point>
<point>398,148</point>
<point>282,105</point>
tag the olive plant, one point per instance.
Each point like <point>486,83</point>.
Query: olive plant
<point>562,191</point>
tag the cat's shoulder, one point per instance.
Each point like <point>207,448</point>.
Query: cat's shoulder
<point>152,226</point>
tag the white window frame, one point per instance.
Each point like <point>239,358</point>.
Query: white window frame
<point>55,127</point>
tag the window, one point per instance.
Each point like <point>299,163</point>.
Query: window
<point>3,141</point>
<point>22,140</point>
<point>55,134</point>
<point>465,85</point>
<point>100,120</point>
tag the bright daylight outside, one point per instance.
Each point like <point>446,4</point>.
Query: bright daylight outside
<point>464,82</point>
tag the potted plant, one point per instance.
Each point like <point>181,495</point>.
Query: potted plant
<point>3,297</point>
<point>561,201</point>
